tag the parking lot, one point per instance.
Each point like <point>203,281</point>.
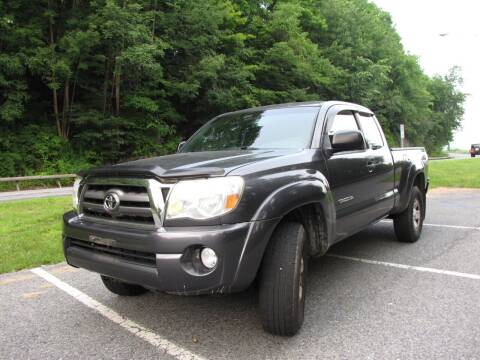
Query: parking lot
<point>370,297</point>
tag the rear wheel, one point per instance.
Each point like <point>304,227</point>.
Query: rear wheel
<point>408,225</point>
<point>283,280</point>
<point>122,288</point>
<point>472,155</point>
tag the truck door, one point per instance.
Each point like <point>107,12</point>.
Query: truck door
<point>348,175</point>
<point>379,165</point>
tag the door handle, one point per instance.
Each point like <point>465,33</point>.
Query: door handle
<point>371,165</point>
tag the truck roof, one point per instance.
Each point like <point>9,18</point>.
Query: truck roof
<point>318,103</point>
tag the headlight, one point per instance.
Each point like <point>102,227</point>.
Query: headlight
<point>205,198</point>
<point>76,188</point>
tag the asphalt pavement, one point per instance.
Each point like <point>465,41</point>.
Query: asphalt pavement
<point>459,155</point>
<point>371,297</point>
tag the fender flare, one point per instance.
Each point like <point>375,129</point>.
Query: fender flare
<point>404,194</point>
<point>294,195</point>
<point>278,204</point>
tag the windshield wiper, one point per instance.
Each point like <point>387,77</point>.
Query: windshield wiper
<point>249,148</point>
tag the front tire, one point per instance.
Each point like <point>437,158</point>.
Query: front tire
<point>122,288</point>
<point>283,280</point>
<point>408,224</point>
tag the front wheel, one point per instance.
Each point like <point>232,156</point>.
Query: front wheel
<point>408,224</point>
<point>122,288</point>
<point>283,280</point>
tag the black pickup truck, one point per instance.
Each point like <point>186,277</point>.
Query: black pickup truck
<point>252,195</point>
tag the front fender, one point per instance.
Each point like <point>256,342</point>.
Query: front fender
<point>294,195</point>
<point>278,204</point>
<point>297,194</point>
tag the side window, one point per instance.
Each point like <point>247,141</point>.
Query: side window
<point>343,121</point>
<point>371,132</point>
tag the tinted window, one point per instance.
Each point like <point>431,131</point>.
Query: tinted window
<point>288,128</point>
<point>371,132</point>
<point>343,121</point>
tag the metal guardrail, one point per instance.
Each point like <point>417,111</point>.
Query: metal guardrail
<point>18,179</point>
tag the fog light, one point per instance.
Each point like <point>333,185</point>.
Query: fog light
<point>209,258</point>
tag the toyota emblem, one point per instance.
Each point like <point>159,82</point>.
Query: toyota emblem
<point>111,202</point>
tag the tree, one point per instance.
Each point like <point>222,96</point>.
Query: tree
<point>101,81</point>
<point>447,108</point>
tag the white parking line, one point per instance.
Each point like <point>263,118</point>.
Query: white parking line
<point>442,225</point>
<point>454,226</point>
<point>408,267</point>
<point>129,325</point>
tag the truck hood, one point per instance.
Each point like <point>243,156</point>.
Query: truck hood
<point>195,164</point>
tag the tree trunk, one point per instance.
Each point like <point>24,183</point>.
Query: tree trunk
<point>55,111</point>
<point>154,18</point>
<point>105,85</point>
<point>54,91</point>
<point>117,89</point>
<point>72,98</point>
<point>112,92</point>
<point>66,109</point>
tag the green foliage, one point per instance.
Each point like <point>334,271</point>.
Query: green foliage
<point>464,173</point>
<point>35,150</point>
<point>447,108</point>
<point>86,82</point>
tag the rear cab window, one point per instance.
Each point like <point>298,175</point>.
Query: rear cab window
<point>371,131</point>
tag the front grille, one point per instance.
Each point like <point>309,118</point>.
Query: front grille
<point>136,208</point>
<point>139,257</point>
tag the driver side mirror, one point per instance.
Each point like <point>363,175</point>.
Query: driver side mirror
<point>181,145</point>
<point>347,140</point>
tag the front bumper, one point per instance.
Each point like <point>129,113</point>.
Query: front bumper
<point>159,259</point>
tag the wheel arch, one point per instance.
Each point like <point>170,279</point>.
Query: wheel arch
<point>305,201</point>
<point>416,177</point>
<point>420,181</point>
<point>309,202</point>
<point>312,217</point>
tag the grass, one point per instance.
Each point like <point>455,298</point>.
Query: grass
<point>464,173</point>
<point>30,232</point>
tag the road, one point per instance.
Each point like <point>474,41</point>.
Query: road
<point>370,297</point>
<point>457,156</point>
<point>38,193</point>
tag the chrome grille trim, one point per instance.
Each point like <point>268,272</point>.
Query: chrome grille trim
<point>142,201</point>
<point>100,195</point>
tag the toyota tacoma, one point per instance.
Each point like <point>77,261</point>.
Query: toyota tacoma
<point>250,197</point>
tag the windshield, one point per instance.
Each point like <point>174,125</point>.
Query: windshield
<point>287,128</point>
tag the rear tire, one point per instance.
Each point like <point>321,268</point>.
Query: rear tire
<point>408,224</point>
<point>122,288</point>
<point>283,279</point>
<point>472,155</point>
